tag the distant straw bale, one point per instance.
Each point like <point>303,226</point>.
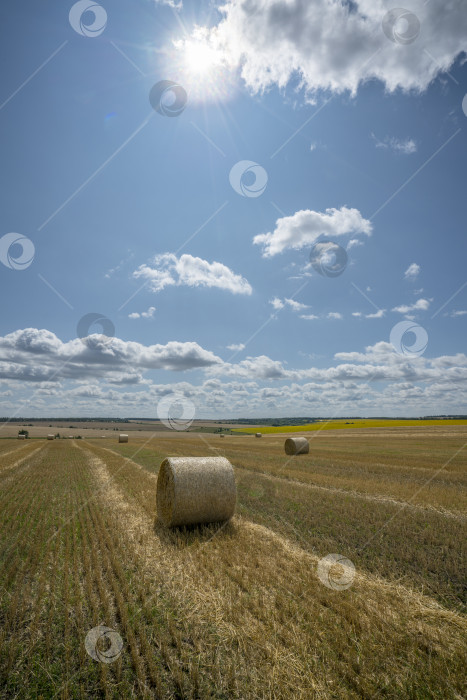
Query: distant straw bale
<point>297,446</point>
<point>123,437</point>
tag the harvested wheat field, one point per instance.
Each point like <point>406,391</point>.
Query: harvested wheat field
<point>246,609</point>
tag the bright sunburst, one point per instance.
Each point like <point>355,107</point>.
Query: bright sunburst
<point>200,59</point>
<point>201,67</point>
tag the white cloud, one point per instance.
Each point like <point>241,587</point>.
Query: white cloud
<point>337,46</point>
<point>305,227</point>
<point>295,305</point>
<point>378,314</point>
<point>309,317</point>
<point>420,305</point>
<point>456,314</point>
<point>353,243</point>
<point>236,347</point>
<point>166,270</point>
<point>404,146</point>
<point>361,382</point>
<point>313,146</point>
<point>277,304</point>
<point>144,314</point>
<point>334,315</point>
<point>412,271</point>
<point>357,314</point>
<point>38,355</point>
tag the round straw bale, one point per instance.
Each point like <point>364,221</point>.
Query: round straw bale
<point>22,437</point>
<point>194,490</point>
<point>123,437</point>
<point>222,435</point>
<point>50,437</point>
<point>297,446</point>
<point>258,435</point>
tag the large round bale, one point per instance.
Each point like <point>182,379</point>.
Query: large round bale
<point>123,437</point>
<point>222,435</point>
<point>258,435</point>
<point>195,490</point>
<point>50,437</point>
<point>297,446</point>
<point>22,437</point>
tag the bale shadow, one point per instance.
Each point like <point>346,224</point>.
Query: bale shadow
<point>189,535</point>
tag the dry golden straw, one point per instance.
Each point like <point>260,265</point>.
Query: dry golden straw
<point>123,437</point>
<point>195,490</point>
<point>297,446</point>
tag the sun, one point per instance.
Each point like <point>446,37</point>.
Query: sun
<point>201,67</point>
<point>200,59</point>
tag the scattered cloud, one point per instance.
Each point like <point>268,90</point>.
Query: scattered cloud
<point>168,270</point>
<point>279,304</point>
<point>336,46</point>
<point>412,271</point>
<point>236,347</point>
<point>353,243</point>
<point>420,305</point>
<point>378,314</point>
<point>404,146</point>
<point>335,315</point>
<point>305,227</point>
<point>144,314</point>
<point>309,317</point>
<point>456,314</point>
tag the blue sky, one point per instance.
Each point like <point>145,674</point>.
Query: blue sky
<point>360,139</point>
